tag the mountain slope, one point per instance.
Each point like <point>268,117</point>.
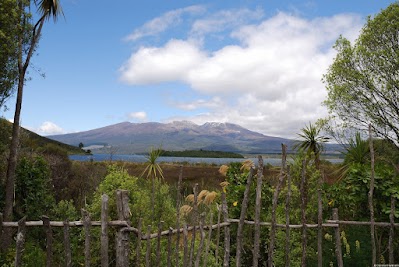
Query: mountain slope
<point>129,137</point>
<point>30,139</point>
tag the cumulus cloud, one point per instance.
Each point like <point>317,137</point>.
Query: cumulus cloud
<point>49,128</point>
<point>162,23</point>
<point>140,115</point>
<point>272,70</point>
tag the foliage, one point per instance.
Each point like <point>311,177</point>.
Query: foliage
<point>311,141</point>
<point>8,49</point>
<point>139,199</point>
<point>34,195</point>
<point>153,170</point>
<point>362,82</point>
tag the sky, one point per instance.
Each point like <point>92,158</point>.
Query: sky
<point>255,63</point>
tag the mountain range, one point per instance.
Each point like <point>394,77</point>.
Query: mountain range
<point>128,138</point>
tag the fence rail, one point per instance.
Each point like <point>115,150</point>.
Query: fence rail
<point>186,235</point>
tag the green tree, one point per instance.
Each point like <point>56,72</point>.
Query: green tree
<point>8,49</point>
<point>363,81</point>
<point>46,9</point>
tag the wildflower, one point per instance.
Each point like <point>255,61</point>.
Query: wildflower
<point>202,195</point>
<point>210,197</point>
<point>235,203</point>
<point>185,210</point>
<point>223,170</point>
<point>247,165</point>
<point>190,198</point>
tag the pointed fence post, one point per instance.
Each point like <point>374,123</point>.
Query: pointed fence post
<point>104,231</point>
<point>67,244</point>
<point>243,214</point>
<point>49,241</point>
<point>320,222</point>
<point>122,237</point>
<point>391,230</point>
<point>258,203</point>
<point>225,211</point>
<point>274,205</point>
<point>370,198</point>
<point>338,246</point>
<point>20,242</point>
<point>303,190</point>
<point>87,226</point>
<point>287,219</point>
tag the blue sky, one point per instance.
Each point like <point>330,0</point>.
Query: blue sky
<point>258,64</point>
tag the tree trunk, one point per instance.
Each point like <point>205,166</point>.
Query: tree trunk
<point>12,161</point>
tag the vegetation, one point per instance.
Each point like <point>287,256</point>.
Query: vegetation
<point>24,52</point>
<point>48,183</point>
<point>362,82</point>
<point>201,154</point>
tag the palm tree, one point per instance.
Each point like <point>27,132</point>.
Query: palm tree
<point>46,9</point>
<point>311,141</point>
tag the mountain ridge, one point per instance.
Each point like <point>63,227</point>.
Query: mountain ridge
<point>128,138</point>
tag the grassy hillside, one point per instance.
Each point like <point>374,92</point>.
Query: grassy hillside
<point>30,140</point>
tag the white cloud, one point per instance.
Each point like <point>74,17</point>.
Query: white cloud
<point>225,19</point>
<point>49,128</point>
<point>140,115</point>
<point>215,102</point>
<point>151,65</point>
<point>162,23</point>
<point>273,70</point>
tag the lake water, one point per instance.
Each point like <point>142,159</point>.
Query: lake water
<point>141,158</point>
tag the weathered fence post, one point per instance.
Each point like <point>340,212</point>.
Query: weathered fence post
<point>274,205</point>
<point>138,245</point>
<point>122,237</point>
<point>287,219</point>
<point>303,189</point>
<point>225,211</point>
<point>320,222</point>
<point>201,245</point>
<point>391,230</point>
<point>370,198</point>
<point>195,220</point>
<point>208,241</point>
<point>178,202</point>
<point>148,247</point>
<point>169,259</point>
<point>218,235</point>
<point>158,252</point>
<point>104,231</point>
<point>338,248</point>
<point>87,226</point>
<point>49,241</point>
<point>1,228</point>
<point>243,214</point>
<point>20,242</point>
<point>67,244</point>
<point>258,202</point>
<point>185,245</point>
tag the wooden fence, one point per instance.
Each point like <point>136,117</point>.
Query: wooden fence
<point>181,249</point>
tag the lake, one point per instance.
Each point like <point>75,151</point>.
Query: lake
<point>218,161</point>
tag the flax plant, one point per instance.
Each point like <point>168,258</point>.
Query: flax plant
<point>153,171</point>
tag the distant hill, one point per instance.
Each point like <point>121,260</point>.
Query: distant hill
<point>31,139</point>
<point>128,138</point>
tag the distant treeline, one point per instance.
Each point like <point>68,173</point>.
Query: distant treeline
<point>201,154</point>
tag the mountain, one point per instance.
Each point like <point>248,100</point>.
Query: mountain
<point>127,138</point>
<point>30,140</point>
